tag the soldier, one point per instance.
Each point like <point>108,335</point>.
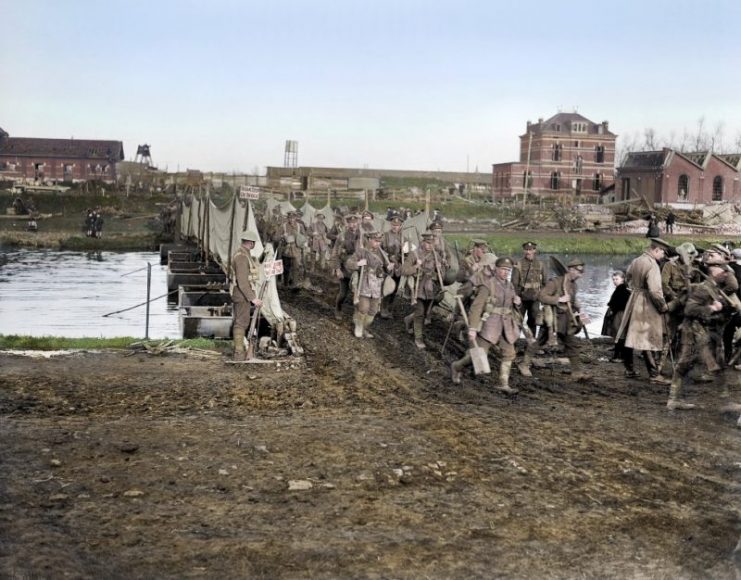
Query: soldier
<point>344,247</point>
<point>372,265</point>
<point>560,292</point>
<point>426,267</point>
<point>643,322</point>
<point>700,311</point>
<point>290,241</point>
<point>440,243</point>
<point>338,227</point>
<point>392,243</point>
<point>528,278</point>
<point>491,321</point>
<point>243,276</point>
<point>366,224</point>
<point>98,224</point>
<point>89,223</point>
<point>471,263</point>
<point>319,241</point>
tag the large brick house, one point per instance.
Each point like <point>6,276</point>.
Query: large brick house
<point>566,154</point>
<point>57,160</point>
<point>671,177</point>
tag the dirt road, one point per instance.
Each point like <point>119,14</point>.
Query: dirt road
<point>361,460</point>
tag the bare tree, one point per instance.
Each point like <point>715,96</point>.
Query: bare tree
<point>649,139</point>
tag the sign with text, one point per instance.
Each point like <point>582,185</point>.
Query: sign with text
<point>274,268</point>
<point>249,192</point>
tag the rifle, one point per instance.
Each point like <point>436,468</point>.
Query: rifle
<point>253,324</point>
<point>719,295</point>
<point>519,319</point>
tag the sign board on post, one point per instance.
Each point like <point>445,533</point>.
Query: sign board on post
<point>249,192</point>
<point>274,268</point>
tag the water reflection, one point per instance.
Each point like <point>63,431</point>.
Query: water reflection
<point>67,293</point>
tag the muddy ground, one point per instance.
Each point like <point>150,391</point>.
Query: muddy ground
<point>361,460</point>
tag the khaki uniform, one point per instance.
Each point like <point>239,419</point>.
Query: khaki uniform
<point>370,284</point>
<point>392,243</point>
<point>566,326</point>
<point>290,239</point>
<point>427,287</point>
<point>319,243</point>
<point>528,278</point>
<point>344,247</point>
<point>694,335</point>
<point>244,275</point>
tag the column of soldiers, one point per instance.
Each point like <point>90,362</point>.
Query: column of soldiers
<point>682,304</point>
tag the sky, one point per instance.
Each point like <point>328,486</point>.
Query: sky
<point>393,84</point>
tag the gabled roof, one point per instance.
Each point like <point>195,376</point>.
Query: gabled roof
<point>72,148</point>
<point>699,158</point>
<point>561,123</point>
<point>732,159</point>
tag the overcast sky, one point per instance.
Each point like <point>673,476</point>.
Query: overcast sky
<point>396,84</point>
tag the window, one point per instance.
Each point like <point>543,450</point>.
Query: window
<point>578,127</point>
<point>527,179</point>
<point>597,182</point>
<point>626,188</point>
<point>557,152</point>
<point>718,188</point>
<point>599,154</point>
<point>578,164</point>
<point>576,144</point>
<point>683,187</point>
<point>577,186</point>
<point>554,180</point>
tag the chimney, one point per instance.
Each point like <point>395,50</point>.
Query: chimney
<point>540,120</point>
<point>606,125</point>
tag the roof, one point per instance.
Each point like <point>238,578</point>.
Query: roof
<point>67,148</point>
<point>563,122</point>
<point>733,159</point>
<point>644,160</point>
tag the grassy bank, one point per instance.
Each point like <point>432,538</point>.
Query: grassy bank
<point>21,342</point>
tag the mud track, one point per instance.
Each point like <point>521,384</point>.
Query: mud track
<point>138,466</point>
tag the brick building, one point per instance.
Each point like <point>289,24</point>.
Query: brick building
<point>668,176</point>
<point>567,154</point>
<point>57,160</point>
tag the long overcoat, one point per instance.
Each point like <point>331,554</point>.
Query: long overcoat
<point>643,324</point>
<point>491,311</point>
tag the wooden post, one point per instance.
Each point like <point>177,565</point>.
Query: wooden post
<point>527,169</point>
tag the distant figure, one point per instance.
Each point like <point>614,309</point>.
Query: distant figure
<point>653,227</point>
<point>614,315</point>
<point>32,226</point>
<point>98,231</point>
<point>670,221</point>
<point>89,225</point>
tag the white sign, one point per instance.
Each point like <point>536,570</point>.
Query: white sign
<point>249,192</point>
<point>274,268</point>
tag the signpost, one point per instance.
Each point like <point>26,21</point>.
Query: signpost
<point>249,192</point>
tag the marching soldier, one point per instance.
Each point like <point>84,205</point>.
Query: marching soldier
<point>319,241</point>
<point>472,262</point>
<point>366,224</point>
<point>290,241</point>
<point>243,276</point>
<point>372,265</point>
<point>491,321</point>
<point>392,243</point>
<point>528,278</point>
<point>344,247</point>
<point>561,293</point>
<point>701,310</point>
<point>426,269</point>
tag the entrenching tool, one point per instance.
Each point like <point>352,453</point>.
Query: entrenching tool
<point>478,354</point>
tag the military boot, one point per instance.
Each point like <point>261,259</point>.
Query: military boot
<point>408,323</point>
<point>366,323</point>
<point>524,365</point>
<point>455,371</point>
<point>418,340</point>
<point>240,355</point>
<point>674,404</point>
<point>504,371</point>
<point>358,320</point>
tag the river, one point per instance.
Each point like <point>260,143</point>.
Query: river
<point>52,293</point>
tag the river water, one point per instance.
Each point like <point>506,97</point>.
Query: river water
<point>51,293</point>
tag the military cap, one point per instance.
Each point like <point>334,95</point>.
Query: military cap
<point>659,243</point>
<point>276,209</point>
<point>351,217</point>
<point>488,259</point>
<point>436,225</point>
<point>427,236</point>
<point>319,215</point>
<point>396,219</point>
<point>529,246</point>
<point>478,242</point>
<point>736,254</point>
<point>292,214</point>
<point>367,213</point>
<point>504,263</point>
<point>687,248</point>
<point>720,249</point>
<point>373,235</point>
<point>249,236</point>
<point>576,263</point>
